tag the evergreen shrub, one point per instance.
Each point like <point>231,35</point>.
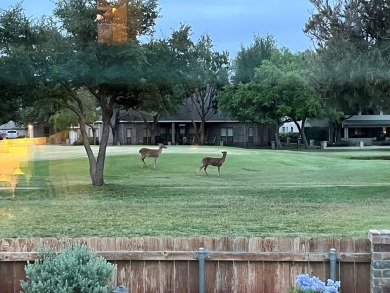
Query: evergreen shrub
<point>76,269</point>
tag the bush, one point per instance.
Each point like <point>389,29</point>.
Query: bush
<point>75,269</point>
<point>80,141</point>
<point>316,133</point>
<point>293,136</point>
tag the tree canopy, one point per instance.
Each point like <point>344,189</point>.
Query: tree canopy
<point>278,92</point>
<point>60,61</point>
<point>350,65</point>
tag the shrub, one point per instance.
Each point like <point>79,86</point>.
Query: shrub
<point>316,133</point>
<point>75,269</point>
<point>80,141</point>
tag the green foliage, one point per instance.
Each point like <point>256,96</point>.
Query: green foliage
<point>75,269</point>
<point>251,57</point>
<point>351,61</point>
<point>278,90</point>
<point>80,141</point>
<point>62,120</point>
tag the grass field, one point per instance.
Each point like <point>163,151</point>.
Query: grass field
<point>260,192</point>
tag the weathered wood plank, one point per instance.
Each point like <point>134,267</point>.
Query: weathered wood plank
<point>137,280</point>
<point>271,278</point>
<point>181,276</point>
<point>256,277</point>
<point>241,276</point>
<point>6,278</point>
<point>214,256</point>
<point>166,277</point>
<point>362,276</point>
<point>224,277</point>
<point>152,276</point>
<point>348,282</point>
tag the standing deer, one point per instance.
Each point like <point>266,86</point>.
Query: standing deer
<point>145,152</point>
<point>217,162</point>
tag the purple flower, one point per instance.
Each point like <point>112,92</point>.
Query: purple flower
<point>314,284</point>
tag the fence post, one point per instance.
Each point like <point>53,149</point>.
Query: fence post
<point>332,267</point>
<point>380,260</point>
<point>201,255</point>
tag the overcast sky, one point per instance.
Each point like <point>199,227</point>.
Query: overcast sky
<point>230,23</point>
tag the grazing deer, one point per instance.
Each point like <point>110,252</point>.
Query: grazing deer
<point>217,162</point>
<point>145,152</point>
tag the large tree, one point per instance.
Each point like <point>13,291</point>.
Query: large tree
<point>279,92</point>
<point>70,60</point>
<point>352,53</point>
<point>19,37</point>
<point>207,74</point>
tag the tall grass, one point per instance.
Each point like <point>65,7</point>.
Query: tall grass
<point>259,193</point>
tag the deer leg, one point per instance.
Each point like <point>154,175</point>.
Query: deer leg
<point>155,163</point>
<point>219,172</point>
<point>206,171</point>
<point>143,160</point>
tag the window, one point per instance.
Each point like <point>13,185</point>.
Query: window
<point>227,134</point>
<point>283,129</point>
<point>292,129</point>
<point>147,139</point>
<point>250,134</point>
<point>128,135</point>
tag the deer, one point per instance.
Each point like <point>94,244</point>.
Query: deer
<point>217,162</point>
<point>151,153</point>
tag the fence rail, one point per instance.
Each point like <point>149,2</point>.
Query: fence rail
<point>152,264</point>
<point>214,255</point>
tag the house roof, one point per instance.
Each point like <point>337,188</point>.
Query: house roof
<point>366,123</point>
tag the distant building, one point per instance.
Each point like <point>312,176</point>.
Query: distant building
<point>11,125</point>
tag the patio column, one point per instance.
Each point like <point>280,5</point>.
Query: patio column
<point>173,133</point>
<point>346,133</point>
<point>380,261</point>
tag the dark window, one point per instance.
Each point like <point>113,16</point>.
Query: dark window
<point>227,134</point>
<point>147,139</point>
<point>250,134</point>
<point>128,135</point>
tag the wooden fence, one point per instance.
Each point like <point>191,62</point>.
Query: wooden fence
<point>152,264</point>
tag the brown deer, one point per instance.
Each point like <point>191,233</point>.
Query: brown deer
<point>217,162</point>
<point>145,152</point>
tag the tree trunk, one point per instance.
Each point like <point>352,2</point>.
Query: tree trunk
<point>332,132</point>
<point>302,132</point>
<point>87,147</point>
<point>201,130</point>
<point>197,137</point>
<point>97,175</point>
<point>96,165</point>
<point>114,124</point>
<point>277,137</point>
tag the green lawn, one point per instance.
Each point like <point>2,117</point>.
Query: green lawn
<point>260,192</point>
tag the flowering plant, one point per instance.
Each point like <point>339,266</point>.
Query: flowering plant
<point>314,284</point>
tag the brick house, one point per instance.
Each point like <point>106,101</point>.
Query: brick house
<point>179,129</point>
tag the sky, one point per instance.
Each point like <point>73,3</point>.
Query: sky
<point>229,23</point>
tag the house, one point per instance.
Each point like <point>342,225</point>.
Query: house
<point>22,131</point>
<point>179,129</point>
<point>367,126</point>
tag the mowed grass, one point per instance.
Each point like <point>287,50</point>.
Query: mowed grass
<point>261,192</point>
